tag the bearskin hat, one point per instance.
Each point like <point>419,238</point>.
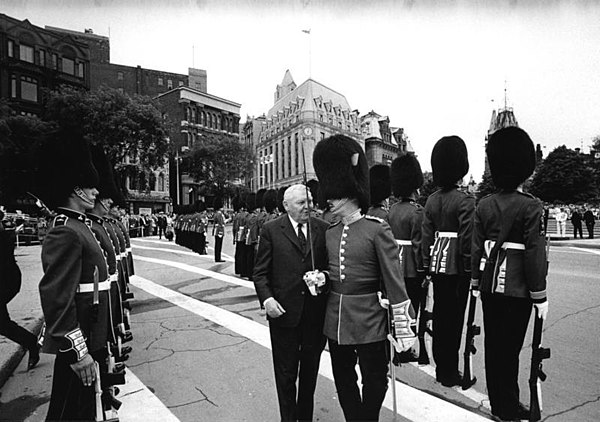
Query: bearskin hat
<point>449,161</point>
<point>379,181</point>
<point>217,202</point>
<point>63,162</point>
<point>315,191</point>
<point>270,200</point>
<point>511,156</point>
<point>406,176</point>
<point>107,187</point>
<point>341,167</point>
<point>280,194</point>
<point>260,198</point>
<point>235,203</point>
<point>251,201</point>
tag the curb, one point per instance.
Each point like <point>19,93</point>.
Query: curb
<point>15,352</point>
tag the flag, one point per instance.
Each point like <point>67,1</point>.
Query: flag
<point>306,31</point>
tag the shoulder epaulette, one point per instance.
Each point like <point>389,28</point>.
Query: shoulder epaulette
<point>334,224</point>
<point>373,218</point>
<point>527,194</point>
<point>60,220</point>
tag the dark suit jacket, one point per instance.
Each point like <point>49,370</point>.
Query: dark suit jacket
<point>280,266</point>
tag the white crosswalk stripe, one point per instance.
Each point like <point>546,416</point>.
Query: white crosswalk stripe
<point>416,405</point>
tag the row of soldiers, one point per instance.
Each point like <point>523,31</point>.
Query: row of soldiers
<point>84,292</point>
<point>190,230</point>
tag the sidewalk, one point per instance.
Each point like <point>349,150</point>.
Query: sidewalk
<point>24,309</point>
<point>579,243</point>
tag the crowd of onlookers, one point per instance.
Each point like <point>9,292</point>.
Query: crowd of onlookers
<point>579,216</point>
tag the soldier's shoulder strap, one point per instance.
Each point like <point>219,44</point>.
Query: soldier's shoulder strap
<point>60,220</point>
<point>373,218</point>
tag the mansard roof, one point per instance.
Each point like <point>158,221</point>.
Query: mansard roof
<point>504,118</point>
<point>309,91</point>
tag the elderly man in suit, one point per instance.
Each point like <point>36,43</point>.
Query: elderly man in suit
<point>295,311</point>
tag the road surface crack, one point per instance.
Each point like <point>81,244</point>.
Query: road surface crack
<point>204,398</point>
<point>570,409</point>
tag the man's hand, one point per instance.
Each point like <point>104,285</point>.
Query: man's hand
<point>314,280</point>
<point>273,308</point>
<point>85,370</point>
<point>426,281</point>
<point>542,309</point>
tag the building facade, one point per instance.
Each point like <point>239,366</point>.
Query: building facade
<point>501,118</point>
<point>33,58</point>
<point>300,117</point>
<point>383,143</point>
<point>191,115</point>
<point>250,136</point>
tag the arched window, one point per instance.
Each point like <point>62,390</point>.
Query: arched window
<point>151,181</point>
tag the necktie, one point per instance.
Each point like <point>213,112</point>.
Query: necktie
<point>302,238</point>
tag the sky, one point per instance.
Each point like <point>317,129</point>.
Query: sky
<point>435,68</point>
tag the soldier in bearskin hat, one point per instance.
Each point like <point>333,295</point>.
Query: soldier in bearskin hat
<point>270,202</point>
<point>509,266</point>
<point>405,218</point>
<point>363,257</point>
<point>218,230</point>
<point>75,288</point>
<point>446,251</point>
<point>380,189</point>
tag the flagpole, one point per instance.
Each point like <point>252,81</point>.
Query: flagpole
<point>307,31</point>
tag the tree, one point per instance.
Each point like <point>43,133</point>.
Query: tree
<point>564,177</point>
<point>216,160</point>
<point>427,189</point>
<point>486,186</point>
<point>125,125</point>
<point>20,136</point>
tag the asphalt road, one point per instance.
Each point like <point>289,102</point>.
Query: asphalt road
<point>201,350</point>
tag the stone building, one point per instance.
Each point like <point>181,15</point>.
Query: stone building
<point>192,114</point>
<point>383,143</point>
<point>301,116</point>
<point>33,58</point>
<point>250,137</point>
<point>501,118</point>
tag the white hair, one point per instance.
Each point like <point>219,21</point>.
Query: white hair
<point>293,190</point>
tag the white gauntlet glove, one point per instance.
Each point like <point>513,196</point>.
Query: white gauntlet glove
<point>542,309</point>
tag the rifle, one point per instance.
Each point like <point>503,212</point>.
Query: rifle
<point>538,354</point>
<point>472,330</point>
<point>309,237</point>
<point>424,317</point>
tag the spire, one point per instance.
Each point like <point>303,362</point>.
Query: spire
<point>287,78</point>
<point>287,86</point>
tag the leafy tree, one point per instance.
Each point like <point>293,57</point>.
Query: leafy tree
<point>216,160</point>
<point>427,189</point>
<point>126,125</point>
<point>564,177</point>
<point>486,186</point>
<point>20,136</point>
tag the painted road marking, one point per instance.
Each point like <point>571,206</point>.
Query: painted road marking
<point>416,405</point>
<point>227,257</point>
<point>197,270</point>
<point>472,394</point>
<point>139,404</point>
<point>594,251</point>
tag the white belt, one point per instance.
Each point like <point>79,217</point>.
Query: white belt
<point>403,242</point>
<point>113,277</point>
<point>508,245</point>
<point>123,255</point>
<point>128,249</point>
<point>446,234</point>
<point>89,287</point>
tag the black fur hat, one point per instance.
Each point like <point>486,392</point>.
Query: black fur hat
<point>406,176</point>
<point>270,200</point>
<point>251,201</point>
<point>280,194</point>
<point>315,191</point>
<point>63,162</point>
<point>379,180</point>
<point>235,203</point>
<point>511,156</point>
<point>260,198</point>
<point>341,167</point>
<point>107,187</point>
<point>449,161</point>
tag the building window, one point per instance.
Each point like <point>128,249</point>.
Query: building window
<point>169,84</point>
<point>68,66</point>
<point>202,119</point>
<point>161,182</point>
<point>13,86</point>
<point>322,135</point>
<point>26,53</point>
<point>160,81</point>
<point>81,70</point>
<point>119,76</point>
<point>55,62</point>
<point>42,58</point>
<point>289,156</point>
<point>180,83</point>
<point>11,48</point>
<point>297,153</point>
<point>277,160</point>
<point>29,89</point>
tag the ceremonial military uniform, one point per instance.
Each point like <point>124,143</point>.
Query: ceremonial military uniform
<point>380,190</point>
<point>511,276</point>
<point>446,251</point>
<point>363,260</point>
<point>218,228</point>
<point>239,223</point>
<point>75,326</point>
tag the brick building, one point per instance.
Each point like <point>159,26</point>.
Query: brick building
<point>192,114</point>
<point>33,58</point>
